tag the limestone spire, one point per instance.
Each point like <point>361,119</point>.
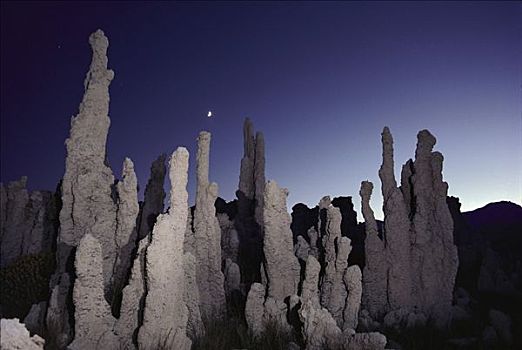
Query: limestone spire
<point>207,235</point>
<point>165,315</point>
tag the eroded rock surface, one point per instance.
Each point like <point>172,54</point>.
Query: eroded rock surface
<point>207,235</point>
<point>14,336</point>
<point>165,315</point>
<point>282,268</point>
<point>417,256</point>
<point>93,321</point>
<point>27,221</point>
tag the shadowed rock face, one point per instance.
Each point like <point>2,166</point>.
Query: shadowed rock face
<point>154,196</point>
<point>249,219</point>
<point>420,258</point>
<point>28,221</point>
<point>374,277</point>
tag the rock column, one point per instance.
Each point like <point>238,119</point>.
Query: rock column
<point>165,316</point>
<point>207,236</point>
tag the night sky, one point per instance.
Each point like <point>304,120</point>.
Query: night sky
<point>320,80</point>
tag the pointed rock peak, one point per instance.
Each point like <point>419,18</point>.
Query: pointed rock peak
<point>204,135</point>
<point>99,41</point>
<point>425,143</point>
<point>248,135</point>
<point>366,189</point>
<point>325,202</point>
<point>128,165</point>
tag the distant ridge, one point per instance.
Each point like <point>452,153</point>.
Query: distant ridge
<point>495,215</point>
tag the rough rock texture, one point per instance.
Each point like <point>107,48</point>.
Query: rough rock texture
<point>254,309</point>
<point>396,230</point>
<point>281,266</point>
<point>88,204</point>
<point>310,288</point>
<point>14,336</point>
<point>229,238</point>
<point>319,330</point>
<point>232,277</point>
<point>417,251</point>
<point>126,232</point>
<point>352,280</point>
<point>267,302</point>
<point>133,298</point>
<point>92,314</point>
<point>154,196</point>
<point>302,248</point>
<point>194,323</point>
<point>336,251</point>
<point>374,278</point>
<point>313,237</point>
<point>165,315</point>
<point>207,236</point>
<point>434,254</point>
<point>27,221</point>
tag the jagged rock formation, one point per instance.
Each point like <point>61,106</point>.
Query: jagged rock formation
<point>281,267</point>
<point>254,309</point>
<point>374,277</point>
<point>417,247</point>
<point>126,231</point>
<point>154,196</point>
<point>310,288</point>
<point>232,278</point>
<point>92,202</point>
<point>319,328</point>
<point>88,206</point>
<point>207,235</point>
<point>165,315</point>
<point>229,238</point>
<point>249,220</point>
<point>133,300</point>
<point>352,280</point>
<point>15,336</point>
<point>27,221</point>
<point>340,285</point>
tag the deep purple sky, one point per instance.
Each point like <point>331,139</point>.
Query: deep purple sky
<point>319,79</point>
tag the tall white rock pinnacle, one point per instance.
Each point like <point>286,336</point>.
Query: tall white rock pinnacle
<point>207,235</point>
<point>165,315</point>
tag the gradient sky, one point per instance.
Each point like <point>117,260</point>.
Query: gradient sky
<point>320,80</point>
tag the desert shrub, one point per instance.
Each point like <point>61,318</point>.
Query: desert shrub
<point>25,282</point>
<point>232,333</point>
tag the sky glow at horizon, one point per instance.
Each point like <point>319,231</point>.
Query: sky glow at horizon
<point>320,80</point>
